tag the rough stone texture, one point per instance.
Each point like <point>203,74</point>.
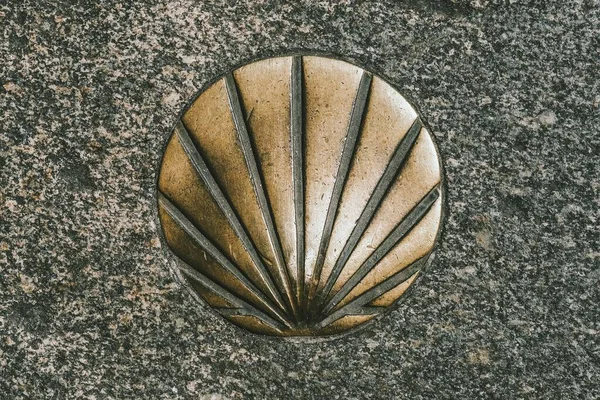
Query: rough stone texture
<point>89,92</point>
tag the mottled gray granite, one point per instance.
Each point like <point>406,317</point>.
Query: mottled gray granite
<point>510,306</point>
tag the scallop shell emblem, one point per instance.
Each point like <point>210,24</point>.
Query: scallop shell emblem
<point>301,195</point>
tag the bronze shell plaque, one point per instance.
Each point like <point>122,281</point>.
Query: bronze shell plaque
<point>302,196</point>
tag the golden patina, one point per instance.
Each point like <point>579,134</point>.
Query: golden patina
<point>302,196</point>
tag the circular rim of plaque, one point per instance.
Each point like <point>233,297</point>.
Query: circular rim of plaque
<point>304,137</point>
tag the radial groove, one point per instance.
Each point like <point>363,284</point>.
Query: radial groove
<point>202,169</point>
<point>214,252</point>
<point>283,279</point>
<point>403,228</point>
<point>354,126</point>
<point>357,305</point>
<point>244,307</point>
<point>297,140</point>
<point>394,167</point>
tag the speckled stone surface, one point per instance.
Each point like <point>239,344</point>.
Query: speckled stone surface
<point>509,309</point>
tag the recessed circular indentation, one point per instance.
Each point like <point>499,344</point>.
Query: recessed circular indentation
<point>302,196</point>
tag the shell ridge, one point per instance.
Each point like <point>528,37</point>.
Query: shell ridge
<point>202,169</point>
<point>213,251</point>
<point>282,277</point>
<point>354,128</point>
<point>242,305</point>
<point>393,169</point>
<point>297,134</point>
<point>393,238</point>
<point>405,285</point>
<point>356,305</point>
<point>244,312</point>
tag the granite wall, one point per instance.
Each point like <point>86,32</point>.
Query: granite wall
<point>89,92</point>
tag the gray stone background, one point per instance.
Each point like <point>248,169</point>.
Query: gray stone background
<point>509,308</point>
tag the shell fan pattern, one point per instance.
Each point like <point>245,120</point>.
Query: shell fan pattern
<point>302,196</point>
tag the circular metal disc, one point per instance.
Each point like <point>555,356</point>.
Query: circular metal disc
<point>302,196</point>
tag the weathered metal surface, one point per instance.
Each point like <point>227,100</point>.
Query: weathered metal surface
<point>302,195</point>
